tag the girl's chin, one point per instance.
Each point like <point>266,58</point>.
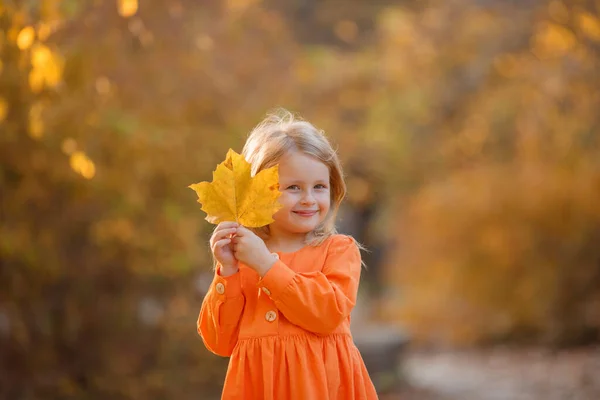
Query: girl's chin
<point>296,224</point>
<point>299,228</point>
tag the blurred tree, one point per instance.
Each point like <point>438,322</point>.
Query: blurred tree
<point>499,240</point>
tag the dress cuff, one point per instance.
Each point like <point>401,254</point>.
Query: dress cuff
<point>227,286</point>
<point>276,280</point>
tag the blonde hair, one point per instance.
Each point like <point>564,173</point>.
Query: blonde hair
<point>281,132</point>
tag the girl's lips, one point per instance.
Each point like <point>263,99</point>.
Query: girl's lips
<point>305,213</point>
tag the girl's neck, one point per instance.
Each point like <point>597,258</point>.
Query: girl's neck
<point>286,242</point>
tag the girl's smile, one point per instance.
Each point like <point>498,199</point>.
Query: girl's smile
<point>306,214</point>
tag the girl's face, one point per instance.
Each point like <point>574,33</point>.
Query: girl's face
<point>306,195</point>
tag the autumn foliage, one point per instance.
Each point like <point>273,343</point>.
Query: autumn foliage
<point>469,129</point>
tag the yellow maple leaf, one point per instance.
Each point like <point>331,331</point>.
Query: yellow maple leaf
<point>235,195</point>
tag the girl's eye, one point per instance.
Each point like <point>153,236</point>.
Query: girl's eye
<point>321,186</point>
<point>293,187</point>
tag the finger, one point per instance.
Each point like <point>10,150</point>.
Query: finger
<point>221,243</point>
<point>219,228</point>
<point>243,231</point>
<point>222,231</point>
<point>218,235</point>
<point>226,225</point>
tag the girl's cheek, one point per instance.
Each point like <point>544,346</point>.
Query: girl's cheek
<point>286,200</point>
<point>290,197</point>
<point>324,198</point>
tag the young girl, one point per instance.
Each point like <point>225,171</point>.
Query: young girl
<point>280,301</point>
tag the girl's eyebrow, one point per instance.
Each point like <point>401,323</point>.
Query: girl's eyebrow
<point>298,181</point>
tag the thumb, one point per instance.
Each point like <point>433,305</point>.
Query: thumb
<point>243,231</point>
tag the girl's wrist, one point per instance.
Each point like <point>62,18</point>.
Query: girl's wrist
<point>266,263</point>
<point>228,270</point>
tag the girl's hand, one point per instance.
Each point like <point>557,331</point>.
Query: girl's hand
<point>222,249</point>
<point>252,251</point>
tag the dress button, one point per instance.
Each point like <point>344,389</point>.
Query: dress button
<point>276,256</point>
<point>270,316</point>
<point>220,288</point>
<point>267,291</point>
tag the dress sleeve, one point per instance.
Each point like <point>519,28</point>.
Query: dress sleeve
<point>317,301</point>
<point>220,314</point>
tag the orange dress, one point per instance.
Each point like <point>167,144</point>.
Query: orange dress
<point>288,334</point>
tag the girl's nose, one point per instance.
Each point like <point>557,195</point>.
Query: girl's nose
<point>307,199</point>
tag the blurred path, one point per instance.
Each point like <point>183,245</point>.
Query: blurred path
<point>502,374</point>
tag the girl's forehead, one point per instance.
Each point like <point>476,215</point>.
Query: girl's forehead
<point>297,163</point>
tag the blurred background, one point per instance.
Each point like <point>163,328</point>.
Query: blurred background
<point>469,132</point>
